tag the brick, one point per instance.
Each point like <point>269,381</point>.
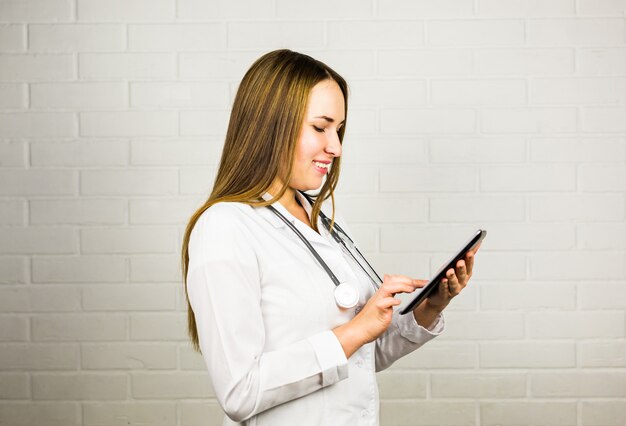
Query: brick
<point>39,299</point>
<point>171,211</point>
<point>388,93</point>
<point>128,182</point>
<point>126,66</point>
<point>162,413</point>
<point>483,326</point>
<point>37,67</point>
<point>478,385</point>
<point>12,37</point>
<point>12,96</point>
<point>602,236</point>
<point>475,32</point>
<point>38,241</point>
<point>36,10</point>
<point>527,413</point>
<point>602,295</point>
<point>14,329</point>
<point>601,61</point>
<point>79,386</point>
<point>14,386</point>
<point>210,66</point>
<point>354,180</point>
<point>116,298</point>
<point>190,359</point>
<point>270,34</point>
<point>213,94</point>
<point>12,212</point>
<point>348,9</point>
<point>79,327</point>
<point>537,236</point>
<point>175,37</point>
<point>80,211</point>
<point>423,413</point>
<point>498,266</point>
<point>576,32</point>
<point>171,385</point>
<point>80,269</point>
<point>76,38</point>
<point>478,92</point>
<point>390,9</point>
<point>394,121</point>
<point>13,270</point>
<point>28,413</point>
<point>199,181</point>
<point>601,7</point>
<point>438,62</point>
<point>38,124</point>
<point>576,207</point>
<point>601,178</point>
<point>528,296</point>
<point>603,413</point>
<point>581,265</point>
<point>523,61</point>
<point>167,327</point>
<point>130,240</point>
<point>129,123</point>
<point>363,122</point>
<point>83,153</point>
<point>527,354</point>
<point>574,150</point>
<point>375,34</point>
<point>475,209</point>
<point>575,325</point>
<point>543,178</point>
<point>83,96</point>
<point>602,353</point>
<point>525,8</point>
<point>603,119</point>
<point>223,9</point>
<point>12,154</point>
<point>446,355</point>
<point>39,356</point>
<point>162,268</point>
<point>578,384</point>
<point>202,123</point>
<point>200,413</point>
<point>128,356</point>
<point>528,120</point>
<point>606,90</point>
<point>350,63</point>
<point>421,179</point>
<point>387,150</point>
<point>411,264</point>
<point>425,238</point>
<point>126,10</point>
<point>383,209</point>
<point>402,384</point>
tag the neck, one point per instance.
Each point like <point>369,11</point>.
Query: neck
<point>288,200</point>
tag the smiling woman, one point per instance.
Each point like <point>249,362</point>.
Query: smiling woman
<point>285,314</point>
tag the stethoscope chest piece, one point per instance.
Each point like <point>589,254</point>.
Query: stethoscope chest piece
<point>346,295</point>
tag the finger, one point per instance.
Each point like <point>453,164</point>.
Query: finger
<point>387,302</point>
<point>419,283</point>
<point>391,288</point>
<point>461,272</point>
<point>469,263</point>
<point>399,278</point>
<point>453,283</point>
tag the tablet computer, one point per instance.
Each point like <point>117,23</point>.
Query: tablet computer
<point>433,284</point>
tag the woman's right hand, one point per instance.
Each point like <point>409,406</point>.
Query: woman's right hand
<point>375,317</point>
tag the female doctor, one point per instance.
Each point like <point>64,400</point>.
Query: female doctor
<point>292,322</point>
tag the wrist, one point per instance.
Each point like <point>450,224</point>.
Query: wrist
<point>349,338</point>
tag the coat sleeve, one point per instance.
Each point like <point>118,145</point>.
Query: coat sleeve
<point>224,290</point>
<point>403,336</point>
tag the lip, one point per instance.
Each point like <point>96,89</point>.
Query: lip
<point>322,170</point>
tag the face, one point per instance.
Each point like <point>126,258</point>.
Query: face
<point>318,143</point>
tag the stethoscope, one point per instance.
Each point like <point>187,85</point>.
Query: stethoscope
<point>346,294</point>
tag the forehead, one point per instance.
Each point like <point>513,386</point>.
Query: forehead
<point>327,99</point>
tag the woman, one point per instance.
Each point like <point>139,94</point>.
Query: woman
<point>282,344</point>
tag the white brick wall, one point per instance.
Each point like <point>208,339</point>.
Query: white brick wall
<point>503,114</point>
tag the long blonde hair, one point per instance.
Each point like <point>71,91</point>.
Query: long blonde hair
<point>265,122</point>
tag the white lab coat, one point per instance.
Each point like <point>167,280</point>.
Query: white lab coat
<point>265,309</point>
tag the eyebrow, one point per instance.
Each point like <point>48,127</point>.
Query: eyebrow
<point>330,120</point>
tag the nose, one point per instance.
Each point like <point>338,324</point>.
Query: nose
<point>333,146</point>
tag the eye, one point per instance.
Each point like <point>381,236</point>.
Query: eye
<point>317,129</point>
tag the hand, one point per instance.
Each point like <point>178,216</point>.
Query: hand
<point>456,279</point>
<point>375,317</point>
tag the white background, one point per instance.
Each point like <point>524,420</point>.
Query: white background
<point>503,114</point>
